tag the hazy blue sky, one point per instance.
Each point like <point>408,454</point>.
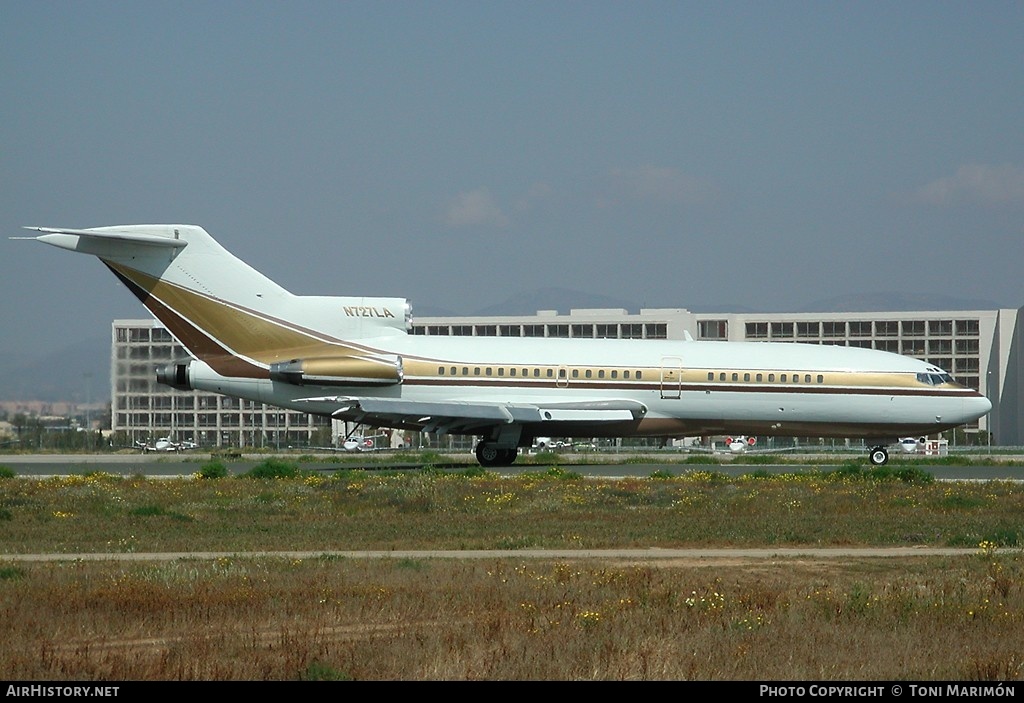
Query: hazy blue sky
<point>674,154</point>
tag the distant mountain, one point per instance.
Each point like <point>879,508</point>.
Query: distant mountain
<point>561,299</point>
<point>79,372</point>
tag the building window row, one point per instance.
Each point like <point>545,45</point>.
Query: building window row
<point>856,328</point>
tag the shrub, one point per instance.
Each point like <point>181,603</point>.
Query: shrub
<point>11,573</point>
<point>273,468</point>
<point>318,671</point>
<point>701,459</point>
<point>907,474</point>
<point>213,469</point>
<point>147,511</point>
<point>6,472</point>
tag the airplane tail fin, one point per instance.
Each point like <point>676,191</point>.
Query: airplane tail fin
<point>222,310</point>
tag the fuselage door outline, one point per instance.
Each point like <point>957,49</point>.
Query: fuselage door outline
<point>671,377</point>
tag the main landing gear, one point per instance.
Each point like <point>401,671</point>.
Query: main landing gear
<point>878,456</point>
<point>490,454</point>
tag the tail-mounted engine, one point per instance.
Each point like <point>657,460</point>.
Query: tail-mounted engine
<point>339,371</point>
<point>175,375</point>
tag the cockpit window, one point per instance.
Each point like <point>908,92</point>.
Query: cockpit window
<point>935,379</point>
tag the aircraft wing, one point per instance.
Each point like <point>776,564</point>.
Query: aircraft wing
<point>447,416</point>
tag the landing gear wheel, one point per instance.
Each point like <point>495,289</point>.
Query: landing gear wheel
<point>489,454</point>
<point>878,456</point>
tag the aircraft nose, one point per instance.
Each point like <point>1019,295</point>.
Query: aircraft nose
<point>977,407</point>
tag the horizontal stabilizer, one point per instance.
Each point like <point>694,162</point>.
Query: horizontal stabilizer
<point>107,234</point>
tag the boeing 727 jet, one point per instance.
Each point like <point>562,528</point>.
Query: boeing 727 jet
<point>354,359</point>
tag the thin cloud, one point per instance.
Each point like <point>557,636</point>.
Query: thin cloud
<point>975,183</point>
<point>475,208</point>
<point>661,184</point>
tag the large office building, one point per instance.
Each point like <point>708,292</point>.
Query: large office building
<point>146,410</point>
<point>980,348</point>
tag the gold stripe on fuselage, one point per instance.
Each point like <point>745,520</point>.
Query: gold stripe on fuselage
<point>244,332</point>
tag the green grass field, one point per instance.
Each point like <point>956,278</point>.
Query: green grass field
<point>245,618</point>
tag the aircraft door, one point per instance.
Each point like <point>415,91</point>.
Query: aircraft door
<point>671,376</point>
<point>562,381</point>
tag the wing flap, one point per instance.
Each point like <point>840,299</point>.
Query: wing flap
<point>464,416</point>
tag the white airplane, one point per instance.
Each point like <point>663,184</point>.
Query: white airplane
<point>361,443</point>
<point>353,359</point>
<point>912,445</point>
<point>740,444</point>
<point>548,444</point>
<point>164,444</point>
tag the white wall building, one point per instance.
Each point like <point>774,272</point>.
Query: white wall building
<point>146,410</point>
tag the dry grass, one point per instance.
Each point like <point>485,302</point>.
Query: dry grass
<point>921,618</point>
<point>244,619</point>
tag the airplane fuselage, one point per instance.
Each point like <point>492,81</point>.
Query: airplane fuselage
<point>352,358</point>
<point>686,388</point>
